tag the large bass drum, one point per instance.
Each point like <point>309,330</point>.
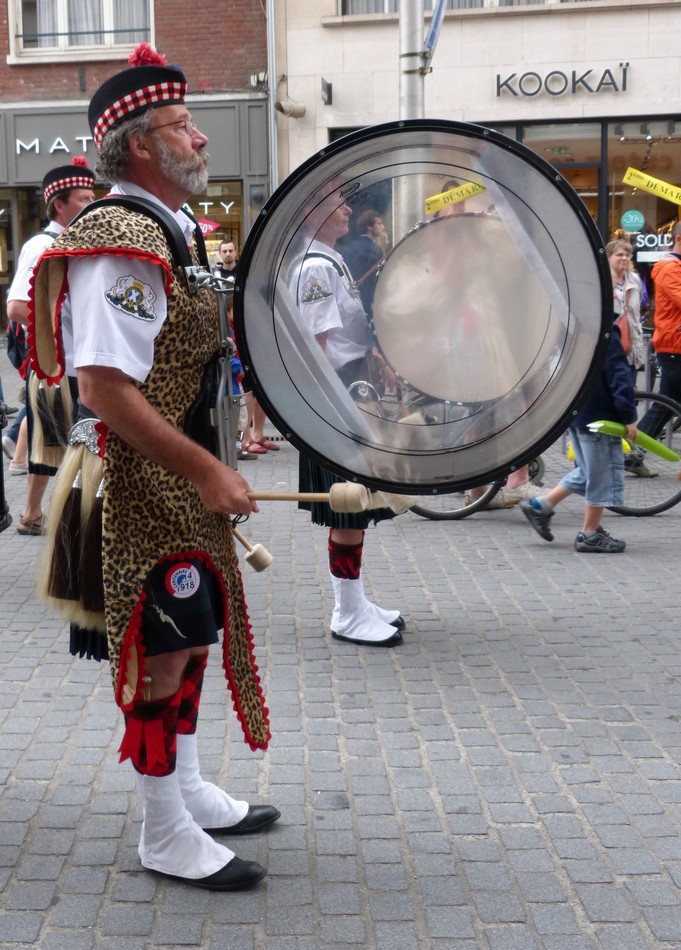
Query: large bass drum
<point>493,312</point>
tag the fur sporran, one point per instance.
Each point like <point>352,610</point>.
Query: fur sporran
<point>52,408</point>
<point>70,579</point>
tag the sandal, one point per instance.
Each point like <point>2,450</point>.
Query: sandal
<point>253,447</point>
<point>34,527</point>
<point>267,444</point>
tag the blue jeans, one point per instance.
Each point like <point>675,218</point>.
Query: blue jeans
<point>598,474</point>
<point>657,416</point>
<point>13,431</point>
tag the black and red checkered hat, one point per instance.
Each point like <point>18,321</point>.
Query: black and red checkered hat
<point>76,175</point>
<point>148,83</point>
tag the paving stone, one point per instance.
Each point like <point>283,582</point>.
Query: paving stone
<point>510,777</point>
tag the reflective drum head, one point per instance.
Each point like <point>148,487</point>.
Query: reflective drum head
<point>464,347</point>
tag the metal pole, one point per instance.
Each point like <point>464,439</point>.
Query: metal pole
<point>408,190</point>
<point>272,97</point>
<point>411,47</point>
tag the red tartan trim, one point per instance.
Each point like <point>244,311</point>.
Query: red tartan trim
<point>132,638</point>
<point>130,253</point>
<point>156,94</point>
<point>69,181</point>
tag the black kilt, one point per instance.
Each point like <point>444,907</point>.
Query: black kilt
<point>313,478</point>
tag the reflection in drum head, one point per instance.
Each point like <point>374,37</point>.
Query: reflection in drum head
<point>482,314</point>
<point>493,318</point>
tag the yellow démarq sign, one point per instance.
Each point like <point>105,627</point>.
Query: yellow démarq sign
<point>452,197</point>
<point>654,185</point>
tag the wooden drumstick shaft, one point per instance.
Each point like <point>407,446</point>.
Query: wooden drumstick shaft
<point>288,496</point>
<point>347,497</point>
<point>344,496</point>
<point>241,539</point>
<point>258,557</point>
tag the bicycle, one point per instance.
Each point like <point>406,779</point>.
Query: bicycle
<point>642,496</point>
<point>651,496</point>
<point>456,505</point>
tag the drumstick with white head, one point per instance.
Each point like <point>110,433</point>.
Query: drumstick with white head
<point>258,557</point>
<point>345,497</point>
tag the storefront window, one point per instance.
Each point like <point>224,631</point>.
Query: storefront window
<point>219,211</point>
<point>645,218</point>
<point>574,148</point>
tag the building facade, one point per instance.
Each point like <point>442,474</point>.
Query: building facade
<point>593,86</point>
<point>54,55</point>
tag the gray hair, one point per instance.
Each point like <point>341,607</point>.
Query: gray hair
<point>619,245</point>
<point>113,158</point>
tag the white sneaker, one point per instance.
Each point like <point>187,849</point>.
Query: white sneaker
<point>18,468</point>
<point>508,497</point>
<point>9,446</point>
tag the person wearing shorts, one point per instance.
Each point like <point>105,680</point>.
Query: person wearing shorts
<point>598,475</point>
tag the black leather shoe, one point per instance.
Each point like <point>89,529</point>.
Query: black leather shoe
<point>390,642</point>
<point>234,876</point>
<point>256,818</point>
<point>398,623</point>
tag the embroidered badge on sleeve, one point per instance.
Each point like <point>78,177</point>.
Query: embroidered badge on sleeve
<point>133,296</point>
<point>314,290</point>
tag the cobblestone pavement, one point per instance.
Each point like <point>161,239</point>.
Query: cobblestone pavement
<point>509,777</point>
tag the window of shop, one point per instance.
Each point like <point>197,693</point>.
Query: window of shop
<point>220,213</point>
<point>654,148</point>
<point>41,28</point>
<point>574,148</point>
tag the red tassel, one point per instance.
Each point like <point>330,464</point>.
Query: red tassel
<point>146,55</point>
<point>80,161</point>
<point>150,738</point>
<point>145,737</point>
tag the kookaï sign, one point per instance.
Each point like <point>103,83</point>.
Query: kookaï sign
<point>560,83</point>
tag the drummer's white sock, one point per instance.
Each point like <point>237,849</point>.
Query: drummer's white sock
<point>353,615</point>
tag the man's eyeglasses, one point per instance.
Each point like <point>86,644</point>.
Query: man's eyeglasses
<point>187,124</point>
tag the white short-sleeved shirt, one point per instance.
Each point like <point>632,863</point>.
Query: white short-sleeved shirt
<point>28,258</point>
<point>329,302</point>
<point>116,306</point>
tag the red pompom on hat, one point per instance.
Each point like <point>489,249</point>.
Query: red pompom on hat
<point>76,175</point>
<point>146,55</point>
<point>148,83</point>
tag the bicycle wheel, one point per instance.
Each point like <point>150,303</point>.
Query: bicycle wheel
<point>650,496</point>
<point>452,506</point>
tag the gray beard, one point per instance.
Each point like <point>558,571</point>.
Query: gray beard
<point>190,174</point>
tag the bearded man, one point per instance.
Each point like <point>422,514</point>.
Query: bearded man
<point>139,339</point>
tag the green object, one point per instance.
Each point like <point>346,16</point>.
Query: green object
<point>632,221</point>
<point>644,441</point>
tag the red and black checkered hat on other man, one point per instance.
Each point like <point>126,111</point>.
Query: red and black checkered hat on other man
<point>76,175</point>
<point>147,84</point>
